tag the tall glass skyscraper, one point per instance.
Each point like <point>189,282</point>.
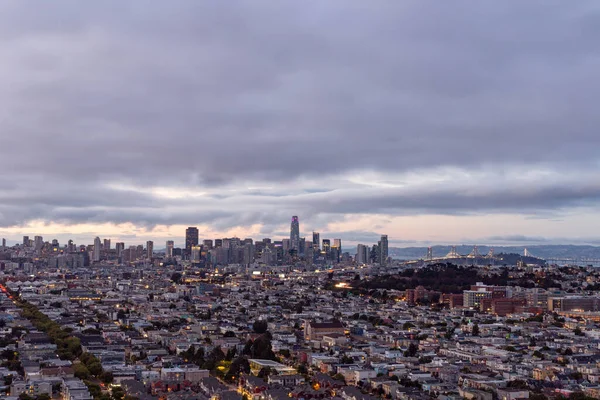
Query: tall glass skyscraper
<point>295,234</point>
<point>383,250</point>
<point>316,241</point>
<point>191,239</point>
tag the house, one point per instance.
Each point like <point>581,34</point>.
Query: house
<point>316,330</point>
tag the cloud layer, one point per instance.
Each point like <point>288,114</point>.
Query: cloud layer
<point>242,113</point>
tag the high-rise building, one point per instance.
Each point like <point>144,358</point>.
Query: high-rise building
<point>70,246</point>
<point>383,250</point>
<point>106,245</point>
<point>3,244</point>
<point>196,254</point>
<point>208,243</point>
<point>149,249</point>
<point>191,239</point>
<point>38,243</point>
<point>362,254</point>
<point>218,242</point>
<point>25,240</point>
<point>169,249</point>
<point>326,248</point>
<point>316,241</point>
<point>97,246</point>
<point>337,243</point>
<point>295,234</point>
<point>120,246</point>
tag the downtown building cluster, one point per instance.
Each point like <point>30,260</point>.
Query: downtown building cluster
<point>212,252</point>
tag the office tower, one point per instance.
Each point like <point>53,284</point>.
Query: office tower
<point>97,246</point>
<point>120,246</point>
<point>70,246</point>
<point>267,240</point>
<point>38,243</point>
<point>336,250</point>
<point>191,239</point>
<point>106,245</point>
<point>247,241</point>
<point>374,255</point>
<point>25,240</point>
<point>169,249</point>
<point>3,244</point>
<point>208,243</point>
<point>295,234</point>
<point>287,245</point>
<point>248,254</point>
<point>55,243</point>
<point>218,242</point>
<point>326,248</point>
<point>309,254</point>
<point>383,250</point>
<point>337,243</point>
<point>133,253</point>
<point>362,254</point>
<point>149,249</point>
<point>316,241</point>
<point>196,254</point>
<point>302,248</point>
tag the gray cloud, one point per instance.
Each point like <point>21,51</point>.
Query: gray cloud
<point>296,97</point>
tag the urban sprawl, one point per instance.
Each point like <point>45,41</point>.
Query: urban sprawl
<point>294,318</point>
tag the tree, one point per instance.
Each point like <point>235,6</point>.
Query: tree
<point>81,371</point>
<point>260,326</point>
<point>230,354</point>
<point>238,366</point>
<point>107,377</point>
<point>475,331</point>
<point>229,334</point>
<point>411,351</point>
<point>117,393</point>
<point>577,331</point>
<point>568,352</point>
<point>176,278</point>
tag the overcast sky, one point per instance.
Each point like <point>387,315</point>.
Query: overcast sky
<point>429,121</point>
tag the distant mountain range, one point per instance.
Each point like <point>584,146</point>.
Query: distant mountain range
<point>540,251</point>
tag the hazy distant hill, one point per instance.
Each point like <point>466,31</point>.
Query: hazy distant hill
<point>541,251</point>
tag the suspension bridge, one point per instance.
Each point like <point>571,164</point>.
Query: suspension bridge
<point>453,254</point>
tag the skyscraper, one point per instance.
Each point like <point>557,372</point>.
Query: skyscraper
<point>169,249</point>
<point>3,244</point>
<point>362,254</point>
<point>97,246</point>
<point>383,250</point>
<point>295,234</point>
<point>336,250</point>
<point>25,240</point>
<point>191,239</point>
<point>337,243</point>
<point>149,249</point>
<point>327,248</point>
<point>106,245</point>
<point>38,242</point>
<point>316,241</point>
<point>196,254</point>
<point>120,246</point>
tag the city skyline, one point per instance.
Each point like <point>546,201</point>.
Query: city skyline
<point>467,132</point>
